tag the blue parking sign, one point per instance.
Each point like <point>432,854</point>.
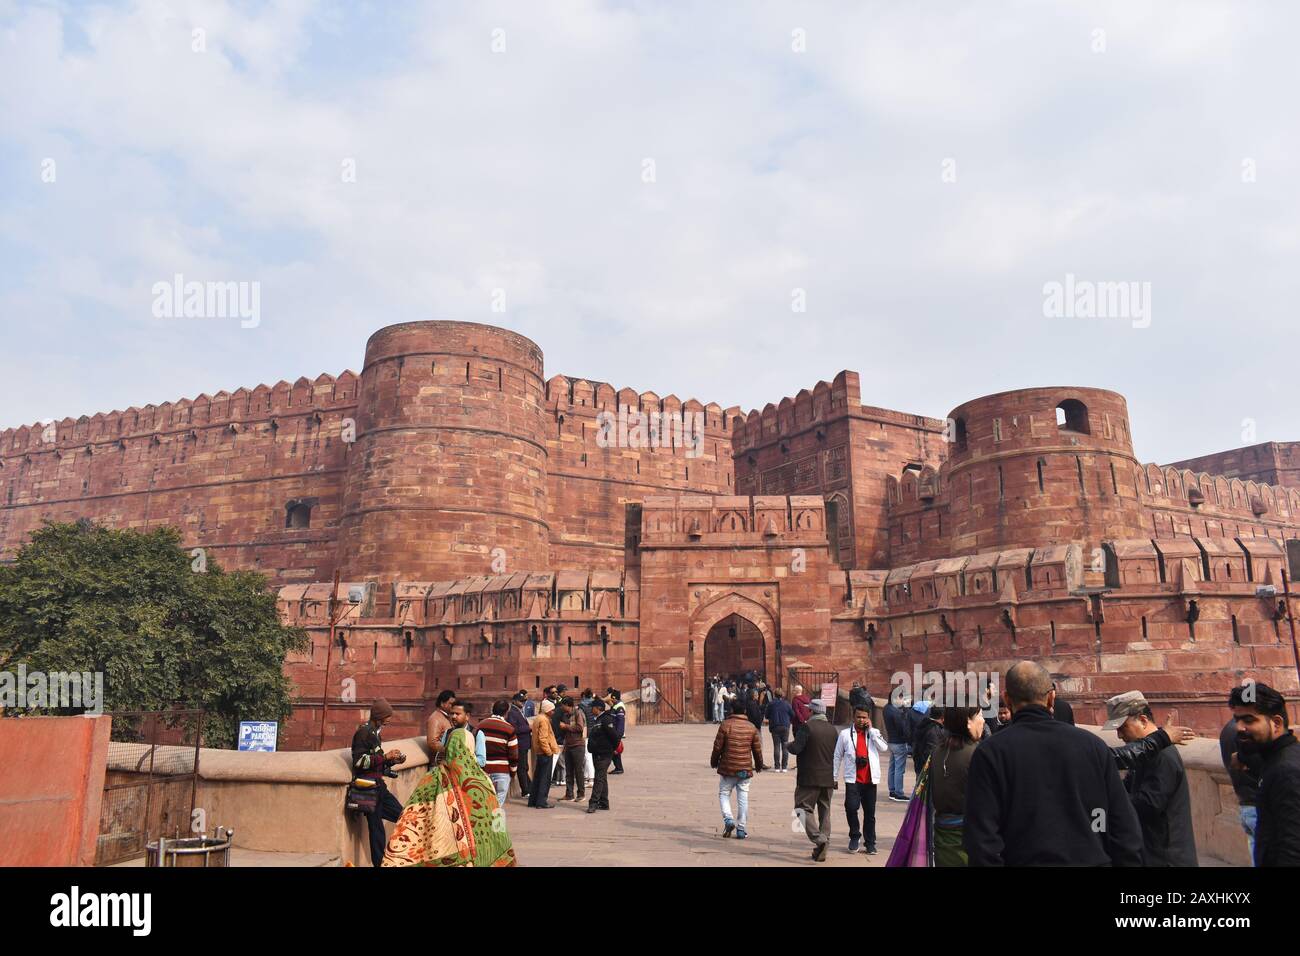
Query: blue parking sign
<point>258,735</point>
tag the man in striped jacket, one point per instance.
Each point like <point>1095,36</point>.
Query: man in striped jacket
<point>502,750</point>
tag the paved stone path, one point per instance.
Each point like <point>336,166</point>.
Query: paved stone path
<point>665,813</point>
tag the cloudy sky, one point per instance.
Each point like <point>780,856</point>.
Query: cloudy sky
<point>727,201</point>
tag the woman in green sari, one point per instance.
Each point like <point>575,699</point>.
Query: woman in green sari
<point>452,817</point>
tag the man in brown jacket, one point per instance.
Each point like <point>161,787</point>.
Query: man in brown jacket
<point>573,725</point>
<point>737,755</point>
<point>815,748</point>
<point>546,747</point>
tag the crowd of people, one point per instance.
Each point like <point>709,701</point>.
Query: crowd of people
<point>556,740</point>
<point>1025,787</point>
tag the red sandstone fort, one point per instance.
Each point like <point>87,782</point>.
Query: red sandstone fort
<point>498,544</point>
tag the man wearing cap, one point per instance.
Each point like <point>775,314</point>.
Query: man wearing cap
<point>560,775</point>
<point>524,734</point>
<point>1157,787</point>
<point>368,762</point>
<point>619,711</point>
<point>1043,793</point>
<point>815,748</point>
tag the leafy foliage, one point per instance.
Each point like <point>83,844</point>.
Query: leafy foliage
<point>80,597</point>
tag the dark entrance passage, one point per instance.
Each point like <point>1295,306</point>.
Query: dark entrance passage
<point>734,647</point>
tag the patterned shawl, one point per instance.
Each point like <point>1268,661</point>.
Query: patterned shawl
<point>452,818</point>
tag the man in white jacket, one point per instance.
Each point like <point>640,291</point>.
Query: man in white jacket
<point>857,760</point>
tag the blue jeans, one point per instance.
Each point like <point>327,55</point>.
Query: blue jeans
<point>501,783</point>
<point>780,748</point>
<point>725,786</point>
<point>1249,819</point>
<point>897,767</point>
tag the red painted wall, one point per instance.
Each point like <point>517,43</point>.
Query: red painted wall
<point>51,789</point>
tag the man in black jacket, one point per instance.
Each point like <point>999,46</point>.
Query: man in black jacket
<point>524,734</point>
<point>369,760</point>
<point>815,747</point>
<point>1157,787</point>
<point>1243,770</point>
<point>1043,793</point>
<point>602,738</point>
<point>929,734</point>
<point>1264,727</point>
<point>897,733</point>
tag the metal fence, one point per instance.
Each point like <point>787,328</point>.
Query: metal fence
<point>150,783</point>
<point>662,699</point>
<point>813,681</point>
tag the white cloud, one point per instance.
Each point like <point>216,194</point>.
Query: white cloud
<point>522,170</point>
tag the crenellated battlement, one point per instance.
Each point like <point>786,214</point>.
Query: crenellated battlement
<point>1170,486</point>
<point>567,396</point>
<point>824,403</point>
<point>242,407</point>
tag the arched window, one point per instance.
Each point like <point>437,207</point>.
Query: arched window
<point>1072,416</point>
<point>959,434</point>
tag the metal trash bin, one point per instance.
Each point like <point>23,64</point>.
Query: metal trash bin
<point>203,851</point>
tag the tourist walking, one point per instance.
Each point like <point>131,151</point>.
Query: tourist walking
<point>737,755</point>
<point>857,760</point>
<point>779,715</point>
<point>949,772</point>
<point>501,746</point>
<point>814,745</point>
<point>602,738</point>
<point>369,760</point>
<point>1263,728</point>
<point>1157,787</point>
<point>547,748</point>
<point>898,731</point>
<point>1044,793</point>
<point>754,711</point>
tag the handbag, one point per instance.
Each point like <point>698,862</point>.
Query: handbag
<point>912,845</point>
<point>363,796</point>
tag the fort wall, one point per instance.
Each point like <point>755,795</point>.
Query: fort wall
<point>826,442</point>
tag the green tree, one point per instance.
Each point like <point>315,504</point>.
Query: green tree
<point>130,605</point>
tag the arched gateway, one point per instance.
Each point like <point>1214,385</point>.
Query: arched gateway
<point>738,636</point>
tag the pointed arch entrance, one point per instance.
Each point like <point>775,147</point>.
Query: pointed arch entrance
<point>734,647</point>
<point>737,635</point>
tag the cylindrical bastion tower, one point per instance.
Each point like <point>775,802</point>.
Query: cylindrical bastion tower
<point>1018,479</point>
<point>447,477</point>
